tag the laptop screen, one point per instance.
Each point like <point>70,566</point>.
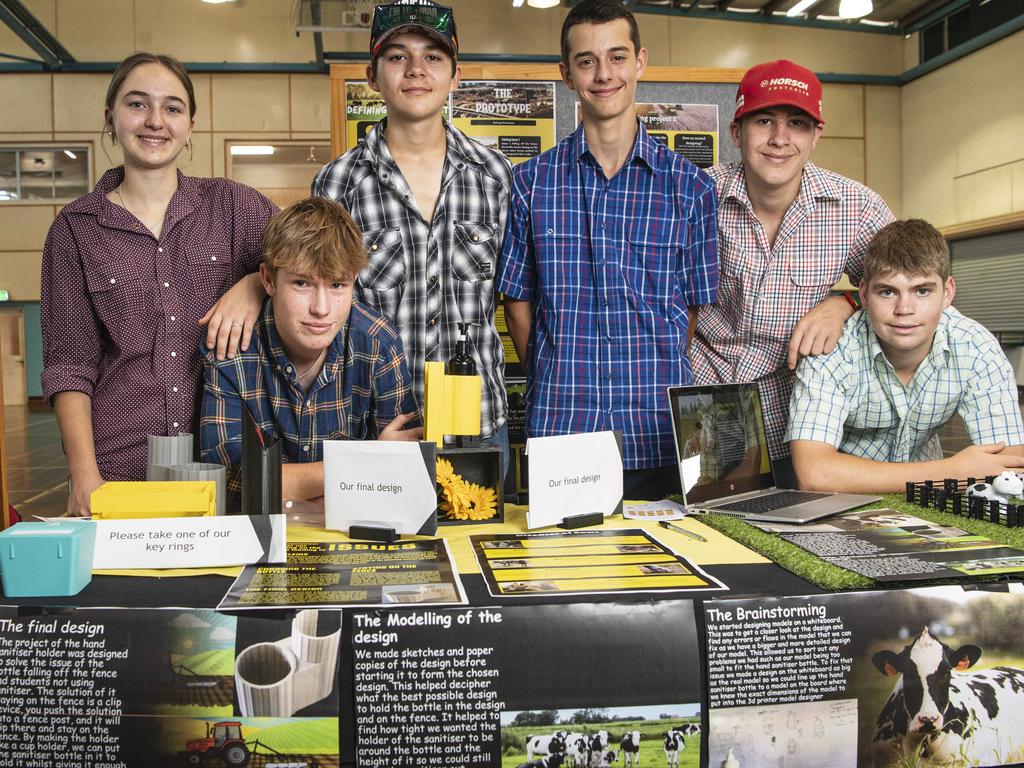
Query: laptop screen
<point>721,429</point>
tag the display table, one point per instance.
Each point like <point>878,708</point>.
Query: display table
<point>766,671</point>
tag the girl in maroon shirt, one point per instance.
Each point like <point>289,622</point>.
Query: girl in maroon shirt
<point>132,272</point>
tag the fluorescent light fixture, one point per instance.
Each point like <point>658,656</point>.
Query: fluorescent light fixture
<point>518,3</point>
<point>542,3</point>
<point>800,7</point>
<point>854,9</point>
<point>251,149</point>
<point>70,154</point>
<point>218,2</point>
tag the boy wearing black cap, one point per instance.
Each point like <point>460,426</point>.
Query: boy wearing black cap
<point>788,231</point>
<point>431,204</point>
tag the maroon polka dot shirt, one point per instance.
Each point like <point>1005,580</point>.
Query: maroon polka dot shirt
<point>120,308</point>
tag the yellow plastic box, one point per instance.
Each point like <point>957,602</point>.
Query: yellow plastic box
<point>155,498</point>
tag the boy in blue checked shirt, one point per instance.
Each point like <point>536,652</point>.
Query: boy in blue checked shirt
<point>320,366</point>
<point>864,418</point>
<point>611,245</point>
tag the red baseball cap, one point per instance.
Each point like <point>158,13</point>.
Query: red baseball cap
<point>778,83</point>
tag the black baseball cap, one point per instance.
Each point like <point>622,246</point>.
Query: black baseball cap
<point>436,21</point>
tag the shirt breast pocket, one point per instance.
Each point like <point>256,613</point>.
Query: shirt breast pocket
<point>476,251</point>
<point>122,302</point>
<point>210,267</point>
<point>653,272</point>
<point>813,270</point>
<point>382,281</point>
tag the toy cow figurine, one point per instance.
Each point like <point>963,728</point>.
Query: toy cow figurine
<point>1005,486</point>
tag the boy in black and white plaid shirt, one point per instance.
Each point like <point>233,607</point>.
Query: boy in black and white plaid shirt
<point>431,204</point>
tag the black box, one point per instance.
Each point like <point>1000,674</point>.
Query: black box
<point>480,464</point>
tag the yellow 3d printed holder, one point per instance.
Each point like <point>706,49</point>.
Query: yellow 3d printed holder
<point>451,404</point>
<point>169,498</point>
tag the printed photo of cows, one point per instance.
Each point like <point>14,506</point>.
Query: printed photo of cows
<point>942,680</point>
<point>627,737</point>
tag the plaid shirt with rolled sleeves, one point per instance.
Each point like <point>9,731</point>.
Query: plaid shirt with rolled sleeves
<point>765,289</point>
<point>426,277</point>
<point>610,266</point>
<point>853,400</point>
<point>362,387</point>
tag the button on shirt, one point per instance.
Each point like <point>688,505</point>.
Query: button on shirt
<point>362,387</point>
<point>120,308</point>
<point>853,400</point>
<point>765,289</point>
<point>426,277</point>
<point>610,266</point>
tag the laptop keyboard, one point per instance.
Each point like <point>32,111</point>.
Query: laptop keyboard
<point>771,501</point>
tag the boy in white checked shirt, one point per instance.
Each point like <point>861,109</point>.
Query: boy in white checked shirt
<point>864,418</point>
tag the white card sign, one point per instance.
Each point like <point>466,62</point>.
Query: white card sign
<point>380,483</point>
<point>573,475</point>
<point>189,542</point>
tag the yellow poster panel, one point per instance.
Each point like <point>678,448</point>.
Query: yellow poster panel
<point>689,129</point>
<point>640,584</point>
<point>364,108</point>
<point>515,118</point>
<point>593,561</point>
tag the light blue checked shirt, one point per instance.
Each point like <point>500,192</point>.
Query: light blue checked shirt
<point>853,400</point>
<point>610,266</point>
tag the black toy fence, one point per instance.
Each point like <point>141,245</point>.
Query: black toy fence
<point>951,496</point>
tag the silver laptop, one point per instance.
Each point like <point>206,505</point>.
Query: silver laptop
<point>720,437</point>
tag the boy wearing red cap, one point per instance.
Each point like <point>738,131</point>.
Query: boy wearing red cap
<point>788,230</point>
<point>430,202</point>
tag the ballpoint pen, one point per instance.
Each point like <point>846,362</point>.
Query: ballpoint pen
<point>683,531</point>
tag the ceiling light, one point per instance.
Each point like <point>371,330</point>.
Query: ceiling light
<point>542,3</point>
<point>800,7</point>
<point>251,149</point>
<point>854,9</point>
<point>218,2</point>
<point>518,3</point>
<point>70,154</point>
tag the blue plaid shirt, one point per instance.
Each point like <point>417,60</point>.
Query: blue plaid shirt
<point>610,266</point>
<point>364,384</point>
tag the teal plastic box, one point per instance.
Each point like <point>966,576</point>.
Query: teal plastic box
<point>46,559</point>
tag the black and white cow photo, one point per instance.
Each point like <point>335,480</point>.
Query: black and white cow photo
<point>943,712</point>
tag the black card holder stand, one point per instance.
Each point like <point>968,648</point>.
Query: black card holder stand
<point>373,533</point>
<point>261,470</point>
<point>581,521</point>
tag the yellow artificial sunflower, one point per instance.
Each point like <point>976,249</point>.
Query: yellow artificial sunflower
<point>456,499</point>
<point>445,472</point>
<point>483,502</point>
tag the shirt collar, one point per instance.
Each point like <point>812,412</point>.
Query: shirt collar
<point>184,200</point>
<point>460,150</point>
<point>815,185</point>
<point>645,149</point>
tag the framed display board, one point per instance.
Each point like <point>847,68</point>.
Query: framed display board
<point>523,109</point>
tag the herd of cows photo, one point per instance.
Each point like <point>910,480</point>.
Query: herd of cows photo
<point>671,743</point>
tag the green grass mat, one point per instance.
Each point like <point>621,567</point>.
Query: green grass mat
<point>831,577</point>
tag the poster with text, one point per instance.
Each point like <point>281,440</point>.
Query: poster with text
<point>364,108</point>
<point>494,687</point>
<point>689,129</point>
<point>173,687</point>
<point>584,562</point>
<point>515,118</point>
<point>351,573</point>
<point>920,677</point>
<point>891,546</point>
